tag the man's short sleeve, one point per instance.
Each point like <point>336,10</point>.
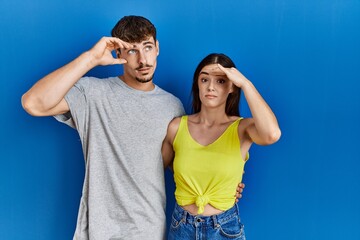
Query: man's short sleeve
<point>76,99</point>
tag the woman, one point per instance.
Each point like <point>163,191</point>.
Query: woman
<point>209,148</point>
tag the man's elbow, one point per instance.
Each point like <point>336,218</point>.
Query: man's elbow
<point>29,105</point>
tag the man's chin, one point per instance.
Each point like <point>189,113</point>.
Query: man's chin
<point>144,80</point>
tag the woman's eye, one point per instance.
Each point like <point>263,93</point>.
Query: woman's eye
<point>222,81</point>
<point>203,80</point>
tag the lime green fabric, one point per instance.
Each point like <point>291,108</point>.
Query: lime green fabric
<point>207,174</point>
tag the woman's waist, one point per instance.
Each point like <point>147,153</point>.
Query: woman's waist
<point>181,214</point>
<point>205,205</point>
<point>209,210</point>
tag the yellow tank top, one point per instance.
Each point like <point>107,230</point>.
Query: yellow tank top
<point>207,174</point>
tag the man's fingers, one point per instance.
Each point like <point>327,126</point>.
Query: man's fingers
<point>238,195</point>
<point>119,61</point>
<point>115,43</point>
<point>240,188</point>
<point>122,44</point>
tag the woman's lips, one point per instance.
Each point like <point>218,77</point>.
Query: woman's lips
<point>210,96</point>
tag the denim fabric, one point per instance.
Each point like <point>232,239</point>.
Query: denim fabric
<point>226,225</point>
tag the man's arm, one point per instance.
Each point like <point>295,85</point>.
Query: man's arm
<point>167,151</point>
<point>46,97</point>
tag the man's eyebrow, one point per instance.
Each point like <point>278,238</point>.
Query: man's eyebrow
<point>148,42</point>
<point>144,43</point>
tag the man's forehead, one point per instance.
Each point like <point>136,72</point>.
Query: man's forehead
<point>150,40</point>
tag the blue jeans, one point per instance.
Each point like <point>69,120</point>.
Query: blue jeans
<point>226,225</point>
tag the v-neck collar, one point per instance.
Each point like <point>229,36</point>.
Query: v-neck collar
<point>215,141</point>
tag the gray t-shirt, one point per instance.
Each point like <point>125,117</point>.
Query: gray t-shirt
<point>121,130</point>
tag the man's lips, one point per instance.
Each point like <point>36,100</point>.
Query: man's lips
<point>143,69</point>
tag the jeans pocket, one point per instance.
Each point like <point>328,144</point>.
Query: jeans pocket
<point>175,223</point>
<point>232,229</point>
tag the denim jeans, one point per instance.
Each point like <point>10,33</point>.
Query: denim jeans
<point>226,225</point>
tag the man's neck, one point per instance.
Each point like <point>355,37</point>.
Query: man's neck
<point>133,83</point>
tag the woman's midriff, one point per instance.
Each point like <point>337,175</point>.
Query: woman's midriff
<point>208,210</point>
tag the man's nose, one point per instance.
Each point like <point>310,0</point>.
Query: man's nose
<point>142,58</point>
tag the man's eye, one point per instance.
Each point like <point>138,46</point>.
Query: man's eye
<point>148,48</point>
<point>131,51</point>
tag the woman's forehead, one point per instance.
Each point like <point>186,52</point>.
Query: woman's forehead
<point>212,69</point>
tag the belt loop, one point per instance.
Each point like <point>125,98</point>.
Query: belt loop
<point>216,225</point>
<point>237,209</point>
<point>184,216</point>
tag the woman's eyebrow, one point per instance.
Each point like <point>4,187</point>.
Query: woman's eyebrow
<point>204,73</point>
<point>214,74</point>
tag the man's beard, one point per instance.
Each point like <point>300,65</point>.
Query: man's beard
<point>145,80</point>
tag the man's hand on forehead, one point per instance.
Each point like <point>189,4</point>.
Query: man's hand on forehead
<point>117,43</point>
<point>101,51</point>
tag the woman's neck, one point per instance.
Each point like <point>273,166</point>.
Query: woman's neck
<point>212,117</point>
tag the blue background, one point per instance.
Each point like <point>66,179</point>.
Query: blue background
<point>303,56</point>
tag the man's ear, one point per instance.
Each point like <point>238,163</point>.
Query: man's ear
<point>157,48</point>
<point>118,53</point>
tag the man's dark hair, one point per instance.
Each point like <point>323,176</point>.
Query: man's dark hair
<point>134,29</point>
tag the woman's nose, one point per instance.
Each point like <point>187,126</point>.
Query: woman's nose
<point>211,87</point>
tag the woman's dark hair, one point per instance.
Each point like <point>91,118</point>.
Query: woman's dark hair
<point>233,100</point>
<point>134,29</point>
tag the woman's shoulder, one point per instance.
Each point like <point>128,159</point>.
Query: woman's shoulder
<point>173,128</point>
<point>174,124</point>
<point>175,121</point>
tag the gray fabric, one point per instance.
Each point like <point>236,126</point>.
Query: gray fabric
<point>121,130</point>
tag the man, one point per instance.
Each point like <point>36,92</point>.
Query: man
<point>121,122</point>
